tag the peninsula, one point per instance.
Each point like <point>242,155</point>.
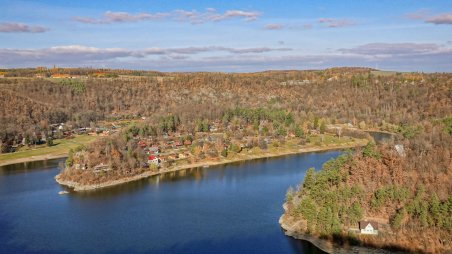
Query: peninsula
<point>143,150</point>
<point>392,197</point>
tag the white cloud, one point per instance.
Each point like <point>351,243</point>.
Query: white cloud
<point>336,23</point>
<point>395,49</point>
<point>427,17</point>
<point>9,27</point>
<point>442,19</point>
<point>273,26</point>
<point>193,17</point>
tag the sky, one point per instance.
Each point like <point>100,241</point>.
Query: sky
<point>227,36</point>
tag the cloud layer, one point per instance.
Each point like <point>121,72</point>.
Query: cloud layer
<point>193,17</point>
<point>82,54</point>
<point>400,56</point>
<point>9,27</point>
<point>394,49</point>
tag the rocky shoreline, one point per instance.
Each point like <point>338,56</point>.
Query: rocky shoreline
<point>83,187</point>
<point>291,228</point>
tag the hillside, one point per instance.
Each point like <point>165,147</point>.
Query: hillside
<point>29,105</point>
<point>407,193</point>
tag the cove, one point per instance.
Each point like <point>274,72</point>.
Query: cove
<point>232,208</point>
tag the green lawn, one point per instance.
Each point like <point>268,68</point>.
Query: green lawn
<point>330,140</point>
<point>61,146</point>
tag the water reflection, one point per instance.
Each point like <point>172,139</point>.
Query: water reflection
<point>226,172</point>
<point>30,166</point>
<point>222,209</point>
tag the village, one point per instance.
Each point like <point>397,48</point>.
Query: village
<point>212,142</point>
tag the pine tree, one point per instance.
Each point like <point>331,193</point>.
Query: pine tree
<point>309,180</point>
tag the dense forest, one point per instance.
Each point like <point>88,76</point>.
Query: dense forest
<point>409,193</point>
<point>370,99</point>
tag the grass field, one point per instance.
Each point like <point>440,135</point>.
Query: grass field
<point>60,147</point>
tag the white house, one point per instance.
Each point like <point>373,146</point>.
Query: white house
<point>154,160</point>
<point>400,150</point>
<point>368,227</point>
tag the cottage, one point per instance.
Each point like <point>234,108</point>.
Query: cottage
<point>154,150</point>
<point>101,167</point>
<point>173,156</point>
<point>400,150</point>
<point>153,160</point>
<point>368,227</point>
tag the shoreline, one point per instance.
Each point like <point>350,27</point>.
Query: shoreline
<point>79,187</point>
<point>290,229</point>
<point>34,158</point>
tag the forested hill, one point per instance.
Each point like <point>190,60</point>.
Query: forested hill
<point>29,105</point>
<point>408,194</point>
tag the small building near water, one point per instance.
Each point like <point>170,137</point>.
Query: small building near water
<point>368,227</point>
<point>153,160</point>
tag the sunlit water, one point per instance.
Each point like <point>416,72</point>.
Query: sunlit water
<point>226,209</point>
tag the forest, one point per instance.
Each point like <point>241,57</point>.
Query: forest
<point>409,193</point>
<point>399,102</point>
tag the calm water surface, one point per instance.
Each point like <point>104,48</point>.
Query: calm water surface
<point>226,209</point>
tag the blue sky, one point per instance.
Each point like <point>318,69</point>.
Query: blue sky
<point>230,36</point>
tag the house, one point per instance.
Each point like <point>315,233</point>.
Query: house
<point>213,128</point>
<point>368,227</point>
<point>153,160</point>
<point>154,150</point>
<point>80,166</point>
<point>101,167</point>
<point>187,142</point>
<point>173,156</point>
<point>400,150</point>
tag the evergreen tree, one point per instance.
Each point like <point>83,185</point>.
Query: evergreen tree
<point>309,180</point>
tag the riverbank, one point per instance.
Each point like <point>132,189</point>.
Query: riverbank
<point>34,158</point>
<point>83,187</point>
<point>292,228</point>
<point>60,149</point>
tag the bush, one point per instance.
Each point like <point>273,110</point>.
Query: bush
<point>49,141</point>
<point>370,151</point>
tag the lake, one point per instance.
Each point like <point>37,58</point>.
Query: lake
<point>224,209</point>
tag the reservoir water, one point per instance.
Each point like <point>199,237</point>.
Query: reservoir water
<point>226,209</point>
